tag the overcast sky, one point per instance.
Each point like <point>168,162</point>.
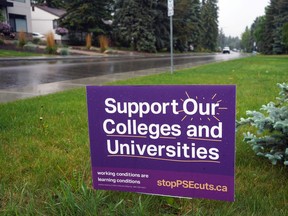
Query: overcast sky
<point>235,15</point>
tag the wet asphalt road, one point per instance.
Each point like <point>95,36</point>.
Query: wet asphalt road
<point>23,78</point>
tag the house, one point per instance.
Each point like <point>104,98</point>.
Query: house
<point>17,13</point>
<point>45,20</point>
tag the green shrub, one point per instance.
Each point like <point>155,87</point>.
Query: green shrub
<point>30,47</point>
<point>36,40</point>
<point>14,42</point>
<point>272,128</point>
<point>64,52</point>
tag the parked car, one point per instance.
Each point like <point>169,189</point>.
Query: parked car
<point>38,35</point>
<point>226,50</point>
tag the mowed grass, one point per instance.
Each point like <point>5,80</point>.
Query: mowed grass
<point>13,53</point>
<point>45,158</point>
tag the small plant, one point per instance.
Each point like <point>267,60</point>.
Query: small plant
<point>36,40</point>
<point>104,43</point>
<point>64,52</point>
<point>30,47</point>
<point>50,43</point>
<point>274,125</point>
<point>21,39</point>
<point>88,41</point>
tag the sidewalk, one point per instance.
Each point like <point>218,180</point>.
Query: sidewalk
<point>77,54</point>
<point>84,52</point>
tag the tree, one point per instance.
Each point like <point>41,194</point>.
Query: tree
<point>51,3</point>
<point>196,22</point>
<point>147,20</point>
<point>221,39</point>
<point>187,24</point>
<point>209,18</point>
<point>281,19</point>
<point>88,16</point>
<point>246,43</point>
<point>2,18</point>
<point>258,32</point>
<point>182,24</point>
<point>268,30</point>
<point>285,35</point>
<point>161,25</point>
<point>272,128</point>
<point>269,27</point>
<point>133,24</point>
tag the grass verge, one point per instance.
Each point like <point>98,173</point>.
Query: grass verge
<point>13,53</point>
<point>45,161</point>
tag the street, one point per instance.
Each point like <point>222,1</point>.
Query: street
<point>21,79</point>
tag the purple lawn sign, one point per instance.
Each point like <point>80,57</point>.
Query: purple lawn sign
<point>165,140</point>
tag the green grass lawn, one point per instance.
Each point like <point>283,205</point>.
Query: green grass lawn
<point>13,53</point>
<point>45,158</point>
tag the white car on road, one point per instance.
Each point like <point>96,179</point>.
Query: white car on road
<point>226,50</point>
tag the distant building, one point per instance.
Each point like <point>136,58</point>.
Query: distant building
<point>17,13</point>
<point>45,20</point>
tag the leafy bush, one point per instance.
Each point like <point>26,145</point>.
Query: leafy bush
<point>30,47</point>
<point>273,128</point>
<point>64,52</point>
<point>36,40</point>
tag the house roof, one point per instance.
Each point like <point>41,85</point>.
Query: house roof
<point>54,11</point>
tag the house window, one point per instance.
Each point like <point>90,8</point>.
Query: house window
<point>55,24</point>
<point>18,22</point>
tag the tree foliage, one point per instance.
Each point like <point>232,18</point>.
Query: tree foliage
<point>87,16</point>
<point>133,24</point>
<point>269,31</point>
<point>187,24</point>
<point>52,3</point>
<point>161,25</point>
<point>148,19</point>
<point>2,18</point>
<point>246,40</point>
<point>144,24</point>
<point>285,35</point>
<point>209,14</point>
<point>272,123</point>
<point>257,29</point>
<point>232,42</point>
